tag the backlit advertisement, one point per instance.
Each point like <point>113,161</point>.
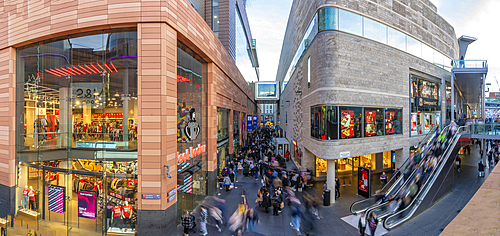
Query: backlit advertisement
<point>249,123</point>
<point>56,199</point>
<point>371,124</point>
<point>347,123</point>
<point>389,121</point>
<point>86,204</point>
<point>364,182</point>
<point>413,121</point>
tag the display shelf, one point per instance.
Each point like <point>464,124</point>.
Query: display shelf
<point>29,213</point>
<point>3,223</point>
<point>113,231</point>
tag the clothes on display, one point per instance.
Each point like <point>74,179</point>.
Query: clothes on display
<point>117,214</point>
<point>31,195</point>
<point>24,201</point>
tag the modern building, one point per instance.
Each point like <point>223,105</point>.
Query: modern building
<point>366,80</point>
<point>109,104</point>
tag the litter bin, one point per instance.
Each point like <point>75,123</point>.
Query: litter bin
<point>326,197</point>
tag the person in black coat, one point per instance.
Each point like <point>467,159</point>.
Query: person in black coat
<point>266,201</point>
<point>481,169</point>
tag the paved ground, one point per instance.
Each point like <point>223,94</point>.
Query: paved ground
<point>430,222</point>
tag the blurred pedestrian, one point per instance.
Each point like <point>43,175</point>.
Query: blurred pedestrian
<point>252,220</point>
<point>481,169</point>
<point>372,223</point>
<point>337,188</point>
<point>362,224</point>
<point>296,215</point>
<point>203,220</point>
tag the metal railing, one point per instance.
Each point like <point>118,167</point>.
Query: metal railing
<point>405,214</point>
<point>485,129</point>
<point>391,186</point>
<point>470,64</point>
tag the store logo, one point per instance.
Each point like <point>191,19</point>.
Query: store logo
<point>192,128</point>
<point>191,153</point>
<point>420,102</point>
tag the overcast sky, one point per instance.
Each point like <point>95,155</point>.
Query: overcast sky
<point>476,18</point>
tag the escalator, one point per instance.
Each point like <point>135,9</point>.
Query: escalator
<point>439,183</point>
<point>396,182</point>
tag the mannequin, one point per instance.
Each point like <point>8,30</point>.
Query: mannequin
<point>127,215</point>
<point>24,202</point>
<point>31,195</point>
<point>117,214</point>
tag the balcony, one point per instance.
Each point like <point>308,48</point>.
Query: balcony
<point>470,64</point>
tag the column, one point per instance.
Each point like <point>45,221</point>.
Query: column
<point>65,111</point>
<point>157,128</point>
<point>125,100</point>
<point>443,101</point>
<point>330,178</point>
<point>452,117</point>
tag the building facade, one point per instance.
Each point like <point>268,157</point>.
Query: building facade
<point>365,81</point>
<point>107,105</point>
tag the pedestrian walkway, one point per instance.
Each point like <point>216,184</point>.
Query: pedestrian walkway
<point>430,222</point>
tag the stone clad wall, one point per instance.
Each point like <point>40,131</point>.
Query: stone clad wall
<point>415,17</point>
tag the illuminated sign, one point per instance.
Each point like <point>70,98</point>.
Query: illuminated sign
<point>191,153</point>
<point>249,123</point>
<point>83,69</point>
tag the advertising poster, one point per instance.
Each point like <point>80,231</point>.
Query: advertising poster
<point>413,121</point>
<point>364,182</point>
<point>86,204</point>
<point>427,122</point>
<point>389,122</point>
<point>56,199</point>
<point>347,123</point>
<point>255,122</point>
<point>371,126</point>
<point>51,126</point>
<point>249,123</point>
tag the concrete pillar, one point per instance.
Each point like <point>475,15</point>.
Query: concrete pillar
<point>330,177</point>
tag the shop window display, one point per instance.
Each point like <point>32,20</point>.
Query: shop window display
<point>191,131</point>
<point>425,105</point>
<point>222,124</point>
<point>374,122</point>
<point>393,121</point>
<point>350,122</point>
<point>236,130</point>
<point>321,167</point>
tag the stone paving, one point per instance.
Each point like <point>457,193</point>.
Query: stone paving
<point>430,222</point>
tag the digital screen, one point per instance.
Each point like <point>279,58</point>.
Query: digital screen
<point>86,204</point>
<point>56,199</point>
<point>364,180</point>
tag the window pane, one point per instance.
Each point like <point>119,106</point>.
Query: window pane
<point>396,39</point>
<point>327,18</point>
<point>374,30</point>
<point>350,122</point>
<point>414,47</point>
<point>350,22</point>
<point>393,121</point>
<point>427,53</point>
<point>374,122</point>
<point>331,122</point>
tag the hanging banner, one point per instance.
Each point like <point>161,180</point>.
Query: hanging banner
<point>56,199</point>
<point>255,122</point>
<point>364,182</point>
<point>249,123</point>
<point>51,126</point>
<point>87,204</point>
<point>347,123</point>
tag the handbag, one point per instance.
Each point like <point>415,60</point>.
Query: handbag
<point>282,205</point>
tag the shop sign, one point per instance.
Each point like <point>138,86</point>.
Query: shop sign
<point>427,102</point>
<point>88,93</point>
<point>171,198</point>
<point>151,196</point>
<point>249,123</point>
<point>254,122</point>
<point>192,128</point>
<point>345,154</point>
<point>190,153</point>
<point>364,182</point>
<point>87,204</point>
<point>172,192</point>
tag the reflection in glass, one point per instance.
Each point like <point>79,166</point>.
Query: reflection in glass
<point>396,39</point>
<point>327,18</point>
<point>414,47</point>
<point>266,90</point>
<point>375,30</point>
<point>427,53</point>
<point>350,23</point>
<point>244,56</point>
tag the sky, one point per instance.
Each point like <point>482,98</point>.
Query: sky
<point>476,18</point>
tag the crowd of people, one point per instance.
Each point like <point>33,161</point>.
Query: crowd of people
<point>259,160</point>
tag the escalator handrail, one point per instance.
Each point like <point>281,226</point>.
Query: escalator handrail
<point>425,187</point>
<point>424,141</point>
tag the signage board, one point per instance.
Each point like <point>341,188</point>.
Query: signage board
<point>87,206</point>
<point>255,122</point>
<point>364,182</point>
<point>345,154</point>
<point>249,123</point>
<point>56,199</point>
<point>151,196</point>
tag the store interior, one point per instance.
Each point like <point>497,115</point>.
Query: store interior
<point>377,162</point>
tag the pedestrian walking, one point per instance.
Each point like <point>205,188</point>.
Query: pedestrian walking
<point>481,169</point>
<point>296,216</point>
<point>188,222</point>
<point>337,188</point>
<point>266,203</point>
<point>372,223</point>
<point>252,220</point>
<point>203,220</point>
<point>362,224</point>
